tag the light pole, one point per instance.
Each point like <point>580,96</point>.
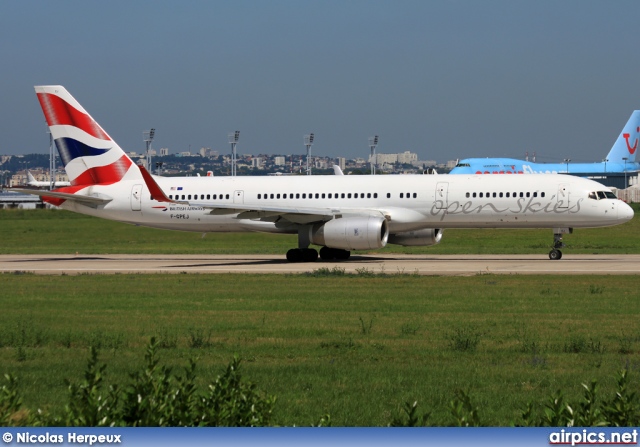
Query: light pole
<point>625,171</point>
<point>605,160</point>
<point>147,136</point>
<point>567,160</point>
<point>233,141</point>
<point>373,142</point>
<point>308,142</point>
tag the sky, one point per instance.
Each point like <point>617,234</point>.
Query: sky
<point>446,79</point>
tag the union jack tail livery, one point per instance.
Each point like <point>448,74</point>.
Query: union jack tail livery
<point>89,154</point>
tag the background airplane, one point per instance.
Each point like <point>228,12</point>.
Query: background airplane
<point>339,213</point>
<point>621,159</point>
<point>31,181</point>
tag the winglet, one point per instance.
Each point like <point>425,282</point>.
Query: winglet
<point>154,188</point>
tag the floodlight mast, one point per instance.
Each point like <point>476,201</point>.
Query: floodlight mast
<point>147,136</point>
<point>233,141</point>
<point>567,160</point>
<point>308,142</point>
<point>373,142</point>
<point>626,185</point>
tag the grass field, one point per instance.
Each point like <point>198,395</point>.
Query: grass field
<point>62,232</point>
<point>356,347</point>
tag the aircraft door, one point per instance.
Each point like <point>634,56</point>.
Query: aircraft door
<point>136,198</point>
<point>238,197</point>
<point>564,195</point>
<point>442,196</point>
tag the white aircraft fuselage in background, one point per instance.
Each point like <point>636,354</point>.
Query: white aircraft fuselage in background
<point>338,213</point>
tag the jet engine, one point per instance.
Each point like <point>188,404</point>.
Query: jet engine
<point>352,233</point>
<point>427,236</point>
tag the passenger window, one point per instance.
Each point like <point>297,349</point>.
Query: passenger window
<point>189,197</point>
<point>368,195</point>
<point>271,196</point>
<point>259,196</point>
<point>278,196</point>
<point>528,194</point>
<point>415,195</point>
<point>227,196</point>
<point>494,195</point>
<point>535,194</point>
<point>375,195</point>
<point>474,195</point>
<point>317,196</point>
<point>304,195</point>
<point>468,195</point>
<point>171,196</point>
<point>348,195</point>
<point>329,195</point>
<point>541,194</point>
<point>521,194</point>
<point>481,195</point>
<point>323,195</point>
<point>388,195</point>
<point>501,194</point>
<point>507,195</point>
<point>402,195</point>
<point>342,195</point>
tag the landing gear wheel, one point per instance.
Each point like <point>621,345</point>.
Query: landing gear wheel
<point>327,254</point>
<point>555,254</point>
<point>302,255</point>
<point>294,255</point>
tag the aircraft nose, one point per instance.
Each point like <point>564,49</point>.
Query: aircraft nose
<point>625,212</point>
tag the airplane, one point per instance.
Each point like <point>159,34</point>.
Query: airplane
<point>621,158</point>
<point>31,181</point>
<point>339,213</point>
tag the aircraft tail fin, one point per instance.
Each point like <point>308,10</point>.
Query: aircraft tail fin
<point>627,143</point>
<point>30,178</point>
<point>89,155</point>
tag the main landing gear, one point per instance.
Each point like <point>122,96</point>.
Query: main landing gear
<point>555,252</point>
<point>305,254</point>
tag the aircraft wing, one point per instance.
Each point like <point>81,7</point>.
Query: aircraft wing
<point>283,214</point>
<point>280,214</point>
<point>93,200</point>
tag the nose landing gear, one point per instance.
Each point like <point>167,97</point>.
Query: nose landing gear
<point>555,252</point>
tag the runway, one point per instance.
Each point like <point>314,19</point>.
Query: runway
<point>455,265</point>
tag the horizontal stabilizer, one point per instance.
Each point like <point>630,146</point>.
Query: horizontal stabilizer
<point>92,200</point>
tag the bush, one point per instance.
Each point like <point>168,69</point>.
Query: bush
<point>154,398</point>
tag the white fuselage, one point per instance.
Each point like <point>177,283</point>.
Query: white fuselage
<point>409,202</point>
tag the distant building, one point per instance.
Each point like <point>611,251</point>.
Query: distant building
<point>164,152</point>
<point>342,162</point>
<point>279,161</point>
<point>407,158</point>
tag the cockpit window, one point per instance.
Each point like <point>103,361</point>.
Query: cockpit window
<point>463,165</point>
<point>600,195</point>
